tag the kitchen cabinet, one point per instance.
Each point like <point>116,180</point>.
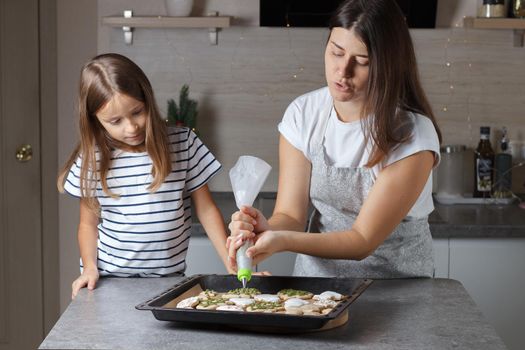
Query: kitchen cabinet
<point>280,264</point>
<point>202,258</point>
<point>493,272</point>
<point>441,257</point>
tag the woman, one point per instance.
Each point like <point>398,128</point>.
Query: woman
<point>361,150</point>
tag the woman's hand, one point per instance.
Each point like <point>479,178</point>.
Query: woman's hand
<point>266,244</point>
<point>244,224</point>
<point>248,219</point>
<point>89,278</point>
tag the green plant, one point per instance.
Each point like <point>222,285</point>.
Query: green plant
<point>185,113</point>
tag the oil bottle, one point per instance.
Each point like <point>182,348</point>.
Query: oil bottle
<point>483,165</point>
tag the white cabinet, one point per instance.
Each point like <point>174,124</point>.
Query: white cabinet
<point>280,264</point>
<point>203,258</point>
<point>493,272</point>
<point>441,257</point>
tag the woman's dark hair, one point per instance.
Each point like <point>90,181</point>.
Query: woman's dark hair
<point>394,87</point>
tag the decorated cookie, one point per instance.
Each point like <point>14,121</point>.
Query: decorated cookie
<point>273,298</point>
<point>294,303</point>
<point>188,303</point>
<point>294,293</point>
<point>329,295</point>
<point>229,308</point>
<point>242,302</point>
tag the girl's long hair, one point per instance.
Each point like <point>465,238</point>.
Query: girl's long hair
<point>100,79</point>
<point>394,86</point>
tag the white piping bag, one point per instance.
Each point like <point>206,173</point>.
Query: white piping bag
<point>247,177</point>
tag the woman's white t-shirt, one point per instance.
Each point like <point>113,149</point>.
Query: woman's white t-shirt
<point>345,145</point>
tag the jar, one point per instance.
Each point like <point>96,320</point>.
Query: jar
<point>450,171</point>
<point>518,8</point>
<point>492,9</point>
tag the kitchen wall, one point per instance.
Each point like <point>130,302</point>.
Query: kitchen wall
<point>243,85</point>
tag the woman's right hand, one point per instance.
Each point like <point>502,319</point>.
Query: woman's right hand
<point>89,278</point>
<point>245,224</point>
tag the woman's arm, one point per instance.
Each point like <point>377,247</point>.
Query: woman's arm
<point>211,219</point>
<point>87,242</point>
<point>393,194</point>
<point>291,206</point>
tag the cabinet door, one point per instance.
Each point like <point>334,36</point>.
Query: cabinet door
<point>441,257</point>
<point>202,258</point>
<point>493,272</point>
<point>280,264</point>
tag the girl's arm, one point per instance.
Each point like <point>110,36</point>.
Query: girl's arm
<point>87,241</point>
<point>211,219</point>
<point>393,194</point>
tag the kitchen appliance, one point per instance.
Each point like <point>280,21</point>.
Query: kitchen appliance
<point>450,171</point>
<point>163,305</point>
<point>315,13</point>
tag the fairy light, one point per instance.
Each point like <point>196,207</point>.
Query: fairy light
<point>469,86</point>
<point>299,69</point>
<point>448,64</point>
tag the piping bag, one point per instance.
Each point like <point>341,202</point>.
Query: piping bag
<point>247,177</point>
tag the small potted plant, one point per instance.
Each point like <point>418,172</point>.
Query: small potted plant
<point>185,113</point>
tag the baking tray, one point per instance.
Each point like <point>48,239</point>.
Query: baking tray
<point>163,305</point>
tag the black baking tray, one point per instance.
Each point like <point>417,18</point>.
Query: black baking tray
<point>163,305</point>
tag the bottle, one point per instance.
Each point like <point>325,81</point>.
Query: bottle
<point>492,9</point>
<point>503,166</point>
<point>483,165</point>
<point>518,8</point>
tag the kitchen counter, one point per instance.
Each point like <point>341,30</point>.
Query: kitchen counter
<point>390,314</point>
<point>477,221</point>
<point>446,221</point>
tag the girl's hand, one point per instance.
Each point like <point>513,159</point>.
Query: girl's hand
<point>89,278</point>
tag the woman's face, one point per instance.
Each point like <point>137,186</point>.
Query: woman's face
<point>346,66</point>
<point>124,118</point>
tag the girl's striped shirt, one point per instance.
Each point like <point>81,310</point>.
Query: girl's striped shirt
<point>143,233</point>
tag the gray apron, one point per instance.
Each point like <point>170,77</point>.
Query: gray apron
<point>337,195</point>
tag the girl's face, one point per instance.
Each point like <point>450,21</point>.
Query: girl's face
<point>346,66</point>
<point>124,118</point>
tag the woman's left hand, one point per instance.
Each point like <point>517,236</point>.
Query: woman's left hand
<point>266,244</point>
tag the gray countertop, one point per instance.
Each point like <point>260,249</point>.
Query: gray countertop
<point>446,221</point>
<point>477,221</point>
<point>390,314</point>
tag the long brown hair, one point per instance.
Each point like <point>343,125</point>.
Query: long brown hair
<point>394,87</point>
<point>100,79</point>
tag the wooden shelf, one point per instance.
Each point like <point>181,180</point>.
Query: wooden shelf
<point>494,23</point>
<point>516,24</point>
<point>169,22</point>
<point>128,23</point>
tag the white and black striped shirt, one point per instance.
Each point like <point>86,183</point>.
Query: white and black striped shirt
<point>147,233</point>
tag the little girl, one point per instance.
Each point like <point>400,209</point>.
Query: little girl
<point>135,178</point>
